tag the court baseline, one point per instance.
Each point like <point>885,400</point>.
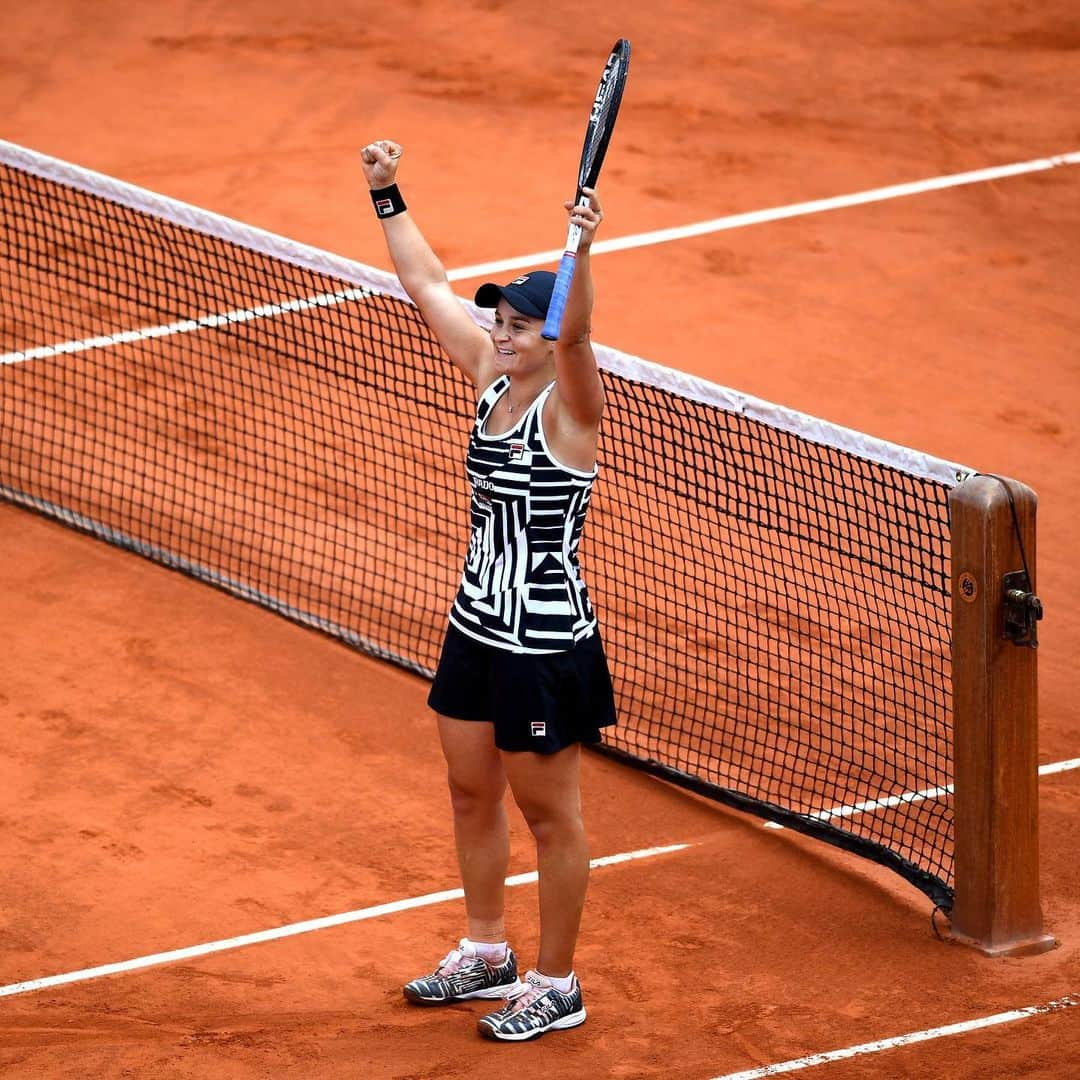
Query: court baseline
<point>911,797</point>
<point>306,927</point>
<point>778,213</point>
<point>621,243</point>
<point>797,1064</point>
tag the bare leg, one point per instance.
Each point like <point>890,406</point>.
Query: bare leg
<point>477,785</point>
<point>547,790</point>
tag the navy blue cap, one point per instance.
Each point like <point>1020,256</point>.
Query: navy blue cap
<point>530,294</point>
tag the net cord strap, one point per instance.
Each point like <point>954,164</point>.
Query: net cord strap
<point>909,461</point>
<point>1015,520</point>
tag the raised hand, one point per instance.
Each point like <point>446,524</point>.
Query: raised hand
<point>587,218</point>
<point>380,162</point>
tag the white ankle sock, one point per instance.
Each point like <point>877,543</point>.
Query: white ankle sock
<point>564,986</point>
<point>493,953</point>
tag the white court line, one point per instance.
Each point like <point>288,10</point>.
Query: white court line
<point>299,928</point>
<point>1059,766</point>
<point>777,213</point>
<point>911,797</point>
<point>186,326</point>
<point>794,1065</point>
<point>661,236</point>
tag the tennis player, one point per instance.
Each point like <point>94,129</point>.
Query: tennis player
<point>522,682</point>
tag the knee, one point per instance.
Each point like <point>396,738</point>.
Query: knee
<point>552,823</point>
<point>476,795</point>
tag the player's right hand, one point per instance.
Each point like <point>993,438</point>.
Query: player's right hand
<point>380,162</point>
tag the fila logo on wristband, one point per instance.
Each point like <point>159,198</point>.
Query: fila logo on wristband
<point>539,728</point>
<point>387,201</point>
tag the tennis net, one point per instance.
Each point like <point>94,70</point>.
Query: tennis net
<point>279,422</point>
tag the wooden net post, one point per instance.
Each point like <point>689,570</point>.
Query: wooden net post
<point>995,715</point>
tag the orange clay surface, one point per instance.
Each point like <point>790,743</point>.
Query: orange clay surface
<point>177,767</point>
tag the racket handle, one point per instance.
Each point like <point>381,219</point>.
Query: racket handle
<point>559,292</point>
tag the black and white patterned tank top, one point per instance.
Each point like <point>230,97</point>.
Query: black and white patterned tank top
<point>521,589</point>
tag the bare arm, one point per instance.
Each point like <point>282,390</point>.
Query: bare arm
<point>422,275</point>
<point>581,393</point>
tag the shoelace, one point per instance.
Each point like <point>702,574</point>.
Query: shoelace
<point>451,962</point>
<point>524,994</point>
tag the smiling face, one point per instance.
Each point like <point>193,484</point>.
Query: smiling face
<point>519,348</point>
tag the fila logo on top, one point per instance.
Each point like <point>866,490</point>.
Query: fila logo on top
<point>539,728</point>
<point>517,451</point>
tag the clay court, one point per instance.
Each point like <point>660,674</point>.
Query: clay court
<point>179,768</point>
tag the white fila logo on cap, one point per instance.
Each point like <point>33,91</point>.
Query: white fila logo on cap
<point>520,280</point>
<point>539,728</point>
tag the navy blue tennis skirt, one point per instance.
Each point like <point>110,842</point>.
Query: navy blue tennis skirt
<point>538,702</point>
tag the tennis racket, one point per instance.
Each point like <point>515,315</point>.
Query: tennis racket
<point>605,109</point>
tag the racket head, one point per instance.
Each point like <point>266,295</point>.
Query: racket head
<point>604,112</point>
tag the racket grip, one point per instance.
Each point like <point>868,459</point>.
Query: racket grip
<point>559,292</point>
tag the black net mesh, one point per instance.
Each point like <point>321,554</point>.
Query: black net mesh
<point>776,611</point>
